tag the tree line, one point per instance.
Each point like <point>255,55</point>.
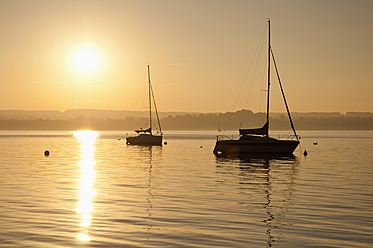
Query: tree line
<point>195,121</point>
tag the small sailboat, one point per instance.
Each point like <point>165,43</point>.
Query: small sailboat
<point>145,136</point>
<point>257,140</point>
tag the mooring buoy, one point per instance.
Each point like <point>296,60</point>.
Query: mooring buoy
<point>46,153</point>
<point>305,153</point>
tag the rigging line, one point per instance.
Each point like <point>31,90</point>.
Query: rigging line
<point>150,101</point>
<point>253,76</point>
<point>243,82</point>
<point>283,95</point>
<point>139,99</point>
<point>264,78</point>
<point>141,94</point>
<point>141,104</point>
<point>155,107</point>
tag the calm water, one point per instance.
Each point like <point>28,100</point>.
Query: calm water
<point>94,191</point>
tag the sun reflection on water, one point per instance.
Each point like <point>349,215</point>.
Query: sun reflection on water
<point>87,141</point>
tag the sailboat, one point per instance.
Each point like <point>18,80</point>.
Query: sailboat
<point>257,140</point>
<point>145,136</point>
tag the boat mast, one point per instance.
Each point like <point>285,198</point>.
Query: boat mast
<point>150,102</point>
<point>269,71</point>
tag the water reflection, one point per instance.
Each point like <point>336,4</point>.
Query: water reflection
<point>147,158</point>
<point>273,177</point>
<point>87,141</point>
<point>150,191</point>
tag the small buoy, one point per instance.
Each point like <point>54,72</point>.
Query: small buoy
<point>315,143</point>
<point>165,143</point>
<point>46,153</point>
<point>119,139</point>
<point>201,146</point>
<point>305,153</point>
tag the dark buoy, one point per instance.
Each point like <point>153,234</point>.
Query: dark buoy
<point>315,143</point>
<point>305,153</point>
<point>201,146</point>
<point>165,143</point>
<point>46,153</point>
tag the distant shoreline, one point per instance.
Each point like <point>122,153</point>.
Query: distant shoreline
<point>108,120</point>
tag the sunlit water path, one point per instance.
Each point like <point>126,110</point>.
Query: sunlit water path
<point>87,141</point>
<point>95,191</point>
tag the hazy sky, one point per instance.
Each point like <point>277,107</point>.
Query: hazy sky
<point>199,52</point>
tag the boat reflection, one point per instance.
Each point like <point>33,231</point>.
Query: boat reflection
<point>150,197</point>
<point>147,157</point>
<point>268,181</point>
<point>87,141</point>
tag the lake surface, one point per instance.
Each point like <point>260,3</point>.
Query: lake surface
<point>93,190</point>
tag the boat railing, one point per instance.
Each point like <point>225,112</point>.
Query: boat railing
<point>223,137</point>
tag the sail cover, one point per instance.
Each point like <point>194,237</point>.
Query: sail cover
<point>258,131</point>
<point>149,130</point>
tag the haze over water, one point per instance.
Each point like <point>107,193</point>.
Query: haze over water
<point>95,191</point>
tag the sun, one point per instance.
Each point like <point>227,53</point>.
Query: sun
<point>86,60</point>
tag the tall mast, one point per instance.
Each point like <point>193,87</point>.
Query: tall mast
<point>269,70</point>
<point>150,102</point>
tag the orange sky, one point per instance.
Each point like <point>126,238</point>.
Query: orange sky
<point>199,52</point>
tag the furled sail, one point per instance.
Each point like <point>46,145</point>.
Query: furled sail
<point>258,131</point>
<point>149,130</point>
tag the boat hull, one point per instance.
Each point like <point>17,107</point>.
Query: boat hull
<point>145,140</point>
<point>265,146</point>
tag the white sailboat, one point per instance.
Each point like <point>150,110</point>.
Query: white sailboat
<point>145,136</point>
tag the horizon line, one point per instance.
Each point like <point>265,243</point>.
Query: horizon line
<point>192,112</point>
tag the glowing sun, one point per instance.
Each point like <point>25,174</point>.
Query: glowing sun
<point>86,60</point>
